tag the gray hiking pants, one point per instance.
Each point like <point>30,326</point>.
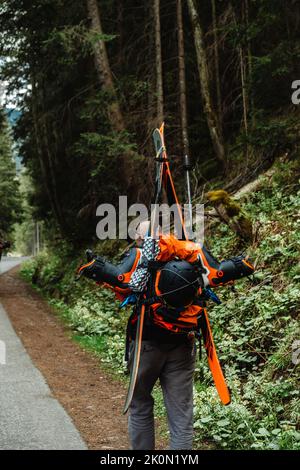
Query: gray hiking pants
<point>174,366</point>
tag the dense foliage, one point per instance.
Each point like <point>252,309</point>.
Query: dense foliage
<point>84,131</point>
<point>255,328</point>
<point>10,209</point>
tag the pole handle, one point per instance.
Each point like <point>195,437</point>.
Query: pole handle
<point>187,163</point>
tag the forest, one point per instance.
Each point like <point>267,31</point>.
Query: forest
<point>90,81</point>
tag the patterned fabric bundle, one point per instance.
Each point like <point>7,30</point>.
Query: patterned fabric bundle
<point>140,277</point>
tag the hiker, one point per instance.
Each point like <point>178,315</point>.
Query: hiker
<point>174,309</point>
<point>170,358</point>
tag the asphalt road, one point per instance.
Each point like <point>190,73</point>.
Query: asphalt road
<point>9,262</point>
<point>30,417</point>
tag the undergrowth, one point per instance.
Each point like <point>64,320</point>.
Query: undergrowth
<point>256,328</point>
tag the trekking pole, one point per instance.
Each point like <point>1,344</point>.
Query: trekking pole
<point>187,168</point>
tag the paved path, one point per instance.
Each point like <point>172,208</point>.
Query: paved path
<point>9,262</point>
<point>30,417</point>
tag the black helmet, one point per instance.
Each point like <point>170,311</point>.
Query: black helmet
<point>178,283</point>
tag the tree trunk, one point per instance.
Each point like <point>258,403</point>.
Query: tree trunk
<point>149,56</point>
<point>243,72</point>
<point>211,118</point>
<point>250,65</point>
<point>217,68</point>
<point>106,81</point>
<point>158,64</point>
<point>244,90</point>
<point>231,213</point>
<point>120,28</point>
<point>182,81</point>
<point>103,68</point>
<point>45,170</point>
<point>51,175</point>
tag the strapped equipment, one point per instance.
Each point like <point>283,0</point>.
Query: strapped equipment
<point>116,276</point>
<point>168,280</point>
<point>178,283</point>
